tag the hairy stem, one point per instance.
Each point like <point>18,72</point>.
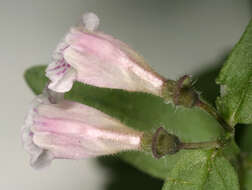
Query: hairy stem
<point>214,113</point>
<point>198,145</point>
<point>181,92</point>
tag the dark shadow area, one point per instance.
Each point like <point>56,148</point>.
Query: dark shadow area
<point>205,80</point>
<point>240,132</point>
<point>126,177</point>
<point>205,83</point>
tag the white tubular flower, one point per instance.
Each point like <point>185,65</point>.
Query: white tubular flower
<point>71,130</point>
<point>97,59</point>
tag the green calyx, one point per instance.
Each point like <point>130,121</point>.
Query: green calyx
<point>160,143</point>
<point>164,143</point>
<point>180,92</point>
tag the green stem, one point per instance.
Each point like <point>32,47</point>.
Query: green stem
<point>214,113</point>
<point>181,92</point>
<point>208,144</point>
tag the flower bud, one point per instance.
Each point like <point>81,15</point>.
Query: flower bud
<point>72,130</point>
<point>91,57</point>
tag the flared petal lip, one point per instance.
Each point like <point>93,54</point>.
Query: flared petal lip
<point>39,157</point>
<point>130,60</point>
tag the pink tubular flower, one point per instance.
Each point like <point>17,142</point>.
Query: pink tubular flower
<point>97,59</point>
<point>72,130</point>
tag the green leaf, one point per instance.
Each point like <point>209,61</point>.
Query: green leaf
<point>235,78</point>
<point>207,173</point>
<point>246,172</point>
<point>157,168</point>
<point>143,112</point>
<point>36,79</point>
<point>125,177</point>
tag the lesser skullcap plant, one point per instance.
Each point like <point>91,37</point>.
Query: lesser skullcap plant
<point>99,97</point>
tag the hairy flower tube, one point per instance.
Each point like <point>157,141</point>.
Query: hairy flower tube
<point>91,57</point>
<point>69,130</point>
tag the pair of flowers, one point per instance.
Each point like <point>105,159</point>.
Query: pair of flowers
<point>56,128</point>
